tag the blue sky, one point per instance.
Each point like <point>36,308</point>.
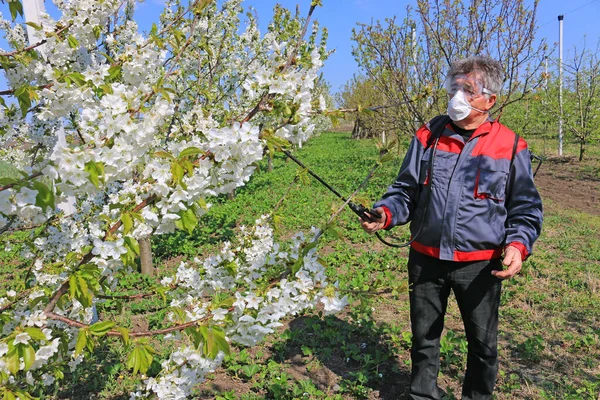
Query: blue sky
<point>582,19</point>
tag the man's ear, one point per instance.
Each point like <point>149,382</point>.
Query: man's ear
<point>490,102</point>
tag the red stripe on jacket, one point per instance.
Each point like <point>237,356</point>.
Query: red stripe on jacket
<point>477,255</point>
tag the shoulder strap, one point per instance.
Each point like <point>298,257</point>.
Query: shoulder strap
<point>514,152</point>
<point>436,127</point>
<point>512,161</point>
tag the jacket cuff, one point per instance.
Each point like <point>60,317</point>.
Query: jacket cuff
<point>388,217</point>
<point>521,247</point>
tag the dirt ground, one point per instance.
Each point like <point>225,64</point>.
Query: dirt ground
<point>567,184</point>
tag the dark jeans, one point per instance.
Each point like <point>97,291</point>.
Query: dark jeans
<point>477,293</point>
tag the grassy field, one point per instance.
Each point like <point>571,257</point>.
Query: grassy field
<point>550,318</point>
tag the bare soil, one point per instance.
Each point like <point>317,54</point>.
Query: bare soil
<point>567,183</point>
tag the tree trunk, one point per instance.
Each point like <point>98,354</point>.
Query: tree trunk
<point>146,264</point>
<point>270,163</point>
<point>231,195</point>
<point>355,129</point>
<point>581,149</point>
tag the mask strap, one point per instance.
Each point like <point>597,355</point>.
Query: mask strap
<point>477,109</point>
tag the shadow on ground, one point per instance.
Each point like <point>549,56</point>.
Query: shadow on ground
<point>339,356</point>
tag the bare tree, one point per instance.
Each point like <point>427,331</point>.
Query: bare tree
<point>409,61</point>
<point>360,93</point>
<point>581,110</point>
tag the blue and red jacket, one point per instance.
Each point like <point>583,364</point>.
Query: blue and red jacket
<point>477,206</point>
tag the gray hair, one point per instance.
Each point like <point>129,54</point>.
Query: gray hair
<point>488,70</point>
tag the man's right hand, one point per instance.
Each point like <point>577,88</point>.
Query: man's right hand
<point>377,224</point>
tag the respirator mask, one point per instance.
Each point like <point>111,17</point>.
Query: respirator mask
<point>462,90</point>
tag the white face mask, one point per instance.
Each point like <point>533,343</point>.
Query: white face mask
<point>459,107</point>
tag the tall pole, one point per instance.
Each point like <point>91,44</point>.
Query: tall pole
<point>546,73</point>
<point>560,84</point>
<point>32,10</point>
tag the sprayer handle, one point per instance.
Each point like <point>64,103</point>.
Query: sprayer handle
<point>364,212</point>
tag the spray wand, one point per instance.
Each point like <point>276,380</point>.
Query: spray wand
<point>360,210</point>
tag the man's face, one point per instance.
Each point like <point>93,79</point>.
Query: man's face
<point>476,94</point>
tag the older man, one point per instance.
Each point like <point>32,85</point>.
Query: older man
<point>466,184</point>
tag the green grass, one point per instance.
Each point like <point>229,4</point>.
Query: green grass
<point>550,323</point>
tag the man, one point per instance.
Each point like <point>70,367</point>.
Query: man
<point>468,189</point>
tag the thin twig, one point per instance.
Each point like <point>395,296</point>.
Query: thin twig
<point>30,177</point>
<point>33,46</point>
<point>12,91</point>
<point>176,328</point>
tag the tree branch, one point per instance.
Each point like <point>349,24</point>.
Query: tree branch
<point>135,334</point>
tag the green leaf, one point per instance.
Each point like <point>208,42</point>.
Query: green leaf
<point>188,166</point>
<point>23,96</point>
<point>84,293</point>
<point>195,336</point>
<point>277,142</point>
<point>188,220</point>
<point>13,361</point>
<point>202,204</point>
<point>214,341</point>
<point>124,335</point>
<point>127,222</point>
<point>95,170</point>
<point>164,154</point>
<point>89,271</point>
<point>140,359</point>
<point>97,30</point>
<point>114,72</point>
<point>177,171</point>
<point>108,58</point>
<point>165,94</point>
<point>73,286</point>
<point>73,42</point>
<point>34,25</point>
<point>28,354</point>
<point>190,151</point>
<point>77,78</point>
<point>101,328</point>
<point>132,245</point>
<point>250,370</point>
<point>297,265</point>
<point>231,268</point>
<point>81,341</point>
<point>24,395</point>
<point>201,6</point>
<point>16,8</point>
<point>387,158</point>
<point>33,94</point>
<point>45,197</point>
<point>8,181</point>
<point>8,395</point>
<point>36,333</point>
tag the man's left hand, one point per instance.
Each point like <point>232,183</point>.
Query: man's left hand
<point>512,260</point>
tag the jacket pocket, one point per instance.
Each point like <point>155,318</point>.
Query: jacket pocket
<point>490,184</point>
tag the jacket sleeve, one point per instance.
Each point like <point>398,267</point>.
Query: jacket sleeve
<point>523,205</point>
<point>402,195</point>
